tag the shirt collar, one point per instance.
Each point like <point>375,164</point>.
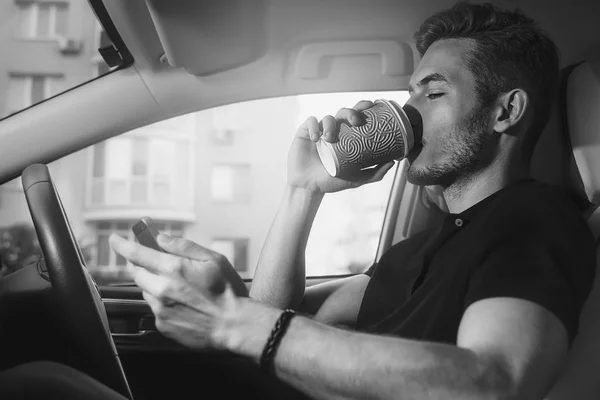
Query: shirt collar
<point>468,214</point>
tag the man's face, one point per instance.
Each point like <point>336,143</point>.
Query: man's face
<point>456,128</point>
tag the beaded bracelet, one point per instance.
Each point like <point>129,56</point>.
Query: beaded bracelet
<point>267,357</point>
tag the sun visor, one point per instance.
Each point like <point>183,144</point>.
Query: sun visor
<point>194,33</point>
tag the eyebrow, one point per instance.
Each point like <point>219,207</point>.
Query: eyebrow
<point>435,77</point>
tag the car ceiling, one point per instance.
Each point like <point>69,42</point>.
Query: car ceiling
<point>234,50</point>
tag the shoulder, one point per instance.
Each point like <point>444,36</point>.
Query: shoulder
<point>540,248</point>
<point>538,221</point>
<point>543,206</point>
<point>542,223</point>
<point>535,195</point>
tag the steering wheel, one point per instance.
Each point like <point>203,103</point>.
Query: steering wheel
<point>83,316</point>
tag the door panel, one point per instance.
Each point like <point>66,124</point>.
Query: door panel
<point>158,368</point>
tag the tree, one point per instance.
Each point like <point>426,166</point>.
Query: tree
<point>19,247</point>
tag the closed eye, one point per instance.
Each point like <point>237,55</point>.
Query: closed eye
<point>433,96</point>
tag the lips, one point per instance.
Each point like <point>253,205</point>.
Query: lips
<point>416,150</point>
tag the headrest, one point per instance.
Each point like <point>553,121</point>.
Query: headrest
<point>583,116</point>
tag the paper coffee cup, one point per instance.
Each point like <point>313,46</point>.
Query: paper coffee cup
<point>385,135</point>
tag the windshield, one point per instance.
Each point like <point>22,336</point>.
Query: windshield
<point>48,47</point>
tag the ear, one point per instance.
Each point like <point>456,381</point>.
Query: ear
<point>511,107</point>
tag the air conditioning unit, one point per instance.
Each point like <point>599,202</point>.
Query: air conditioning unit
<point>69,45</point>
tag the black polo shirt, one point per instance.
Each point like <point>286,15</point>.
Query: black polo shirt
<point>526,241</point>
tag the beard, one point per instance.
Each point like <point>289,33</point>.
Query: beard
<point>467,146</point>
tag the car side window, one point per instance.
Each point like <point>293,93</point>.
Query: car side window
<point>216,177</point>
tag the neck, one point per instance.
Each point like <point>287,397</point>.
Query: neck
<point>471,189</point>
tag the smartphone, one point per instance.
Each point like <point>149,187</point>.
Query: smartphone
<point>146,233</point>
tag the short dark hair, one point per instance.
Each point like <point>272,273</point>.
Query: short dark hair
<point>509,52</point>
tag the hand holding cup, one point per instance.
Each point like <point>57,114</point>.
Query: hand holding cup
<point>386,134</point>
<point>305,169</point>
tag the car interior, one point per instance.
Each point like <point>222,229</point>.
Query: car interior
<point>170,59</point>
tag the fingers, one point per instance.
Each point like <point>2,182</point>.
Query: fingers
<point>349,115</point>
<point>185,248</point>
<point>157,286</point>
<point>313,129</point>
<point>329,126</point>
<point>212,271</point>
<point>134,252</point>
<point>150,259</point>
<point>152,301</point>
<point>363,105</point>
<point>169,291</point>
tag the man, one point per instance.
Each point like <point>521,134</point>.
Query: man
<point>484,307</point>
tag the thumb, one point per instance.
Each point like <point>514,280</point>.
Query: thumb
<point>183,247</point>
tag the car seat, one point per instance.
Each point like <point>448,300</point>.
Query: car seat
<point>579,379</point>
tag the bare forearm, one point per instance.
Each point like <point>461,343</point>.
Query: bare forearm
<point>280,274</point>
<point>360,366</point>
<point>330,363</point>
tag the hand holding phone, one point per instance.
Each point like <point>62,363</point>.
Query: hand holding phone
<point>146,233</point>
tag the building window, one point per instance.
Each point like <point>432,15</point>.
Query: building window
<point>105,257</point>
<point>234,249</point>
<point>42,20</point>
<point>138,170</point>
<point>222,137</point>
<point>231,183</point>
<point>27,90</point>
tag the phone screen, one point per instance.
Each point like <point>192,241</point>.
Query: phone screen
<point>146,233</point>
